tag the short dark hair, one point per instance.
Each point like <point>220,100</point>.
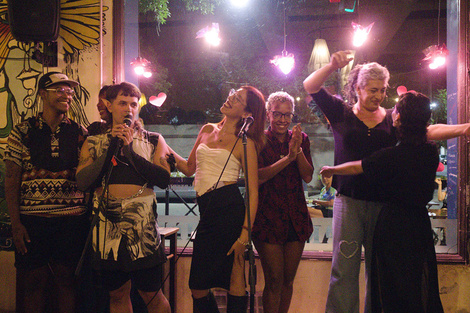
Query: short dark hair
<point>127,89</point>
<point>415,112</point>
<point>102,93</point>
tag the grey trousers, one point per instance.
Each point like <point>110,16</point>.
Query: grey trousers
<point>353,227</point>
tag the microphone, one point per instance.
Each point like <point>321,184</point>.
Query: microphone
<point>246,125</point>
<point>128,120</point>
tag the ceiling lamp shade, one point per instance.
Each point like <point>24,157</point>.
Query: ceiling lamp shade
<point>320,55</point>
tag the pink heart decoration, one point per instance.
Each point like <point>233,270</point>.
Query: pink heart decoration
<point>158,100</point>
<point>401,90</point>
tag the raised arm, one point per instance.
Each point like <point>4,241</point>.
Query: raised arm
<point>295,154</point>
<point>441,195</point>
<point>348,168</point>
<point>268,172</point>
<point>315,81</point>
<point>444,131</point>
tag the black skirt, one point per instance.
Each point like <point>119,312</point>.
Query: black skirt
<point>222,214</point>
<point>404,268</point>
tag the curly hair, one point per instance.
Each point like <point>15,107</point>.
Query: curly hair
<point>415,112</point>
<point>360,75</point>
<point>280,96</point>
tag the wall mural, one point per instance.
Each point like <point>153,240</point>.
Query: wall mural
<point>22,64</point>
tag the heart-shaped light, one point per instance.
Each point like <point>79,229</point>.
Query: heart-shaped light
<point>158,100</point>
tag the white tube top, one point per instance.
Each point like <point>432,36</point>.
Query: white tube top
<point>209,165</point>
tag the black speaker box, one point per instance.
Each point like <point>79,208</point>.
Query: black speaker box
<point>34,20</point>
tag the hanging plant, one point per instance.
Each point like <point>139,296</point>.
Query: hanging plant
<point>162,12</point>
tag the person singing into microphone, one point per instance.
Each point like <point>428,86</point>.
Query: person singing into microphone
<point>126,237</point>
<point>282,224</point>
<point>222,233</point>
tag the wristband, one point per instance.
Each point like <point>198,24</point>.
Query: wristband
<point>244,227</point>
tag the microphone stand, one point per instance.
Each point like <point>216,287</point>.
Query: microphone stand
<point>249,247</point>
<point>96,216</point>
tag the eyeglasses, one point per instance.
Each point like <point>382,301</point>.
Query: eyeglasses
<point>63,91</point>
<point>278,115</point>
<point>233,93</point>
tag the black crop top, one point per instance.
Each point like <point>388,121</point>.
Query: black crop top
<point>124,173</point>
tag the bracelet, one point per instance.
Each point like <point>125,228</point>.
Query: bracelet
<point>300,151</point>
<point>241,242</point>
<point>244,227</point>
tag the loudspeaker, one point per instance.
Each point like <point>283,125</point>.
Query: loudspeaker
<point>34,20</point>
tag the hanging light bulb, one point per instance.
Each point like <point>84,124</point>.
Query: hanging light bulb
<point>437,55</point>
<point>210,33</point>
<point>286,61</point>
<point>142,67</point>
<point>360,33</point>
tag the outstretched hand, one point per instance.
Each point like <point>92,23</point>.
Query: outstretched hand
<point>340,59</point>
<point>327,171</point>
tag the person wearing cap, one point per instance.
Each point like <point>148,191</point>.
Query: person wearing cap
<point>126,240</point>
<point>46,208</point>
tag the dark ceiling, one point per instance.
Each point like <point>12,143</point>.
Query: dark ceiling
<point>402,30</point>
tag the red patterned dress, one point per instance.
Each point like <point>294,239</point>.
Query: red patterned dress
<point>281,199</point>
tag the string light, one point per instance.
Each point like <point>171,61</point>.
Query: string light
<point>286,61</point>
<point>142,67</point>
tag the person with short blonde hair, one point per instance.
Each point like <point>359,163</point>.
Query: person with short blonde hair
<point>282,224</point>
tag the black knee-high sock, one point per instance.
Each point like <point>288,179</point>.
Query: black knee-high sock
<point>205,304</point>
<point>237,304</point>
